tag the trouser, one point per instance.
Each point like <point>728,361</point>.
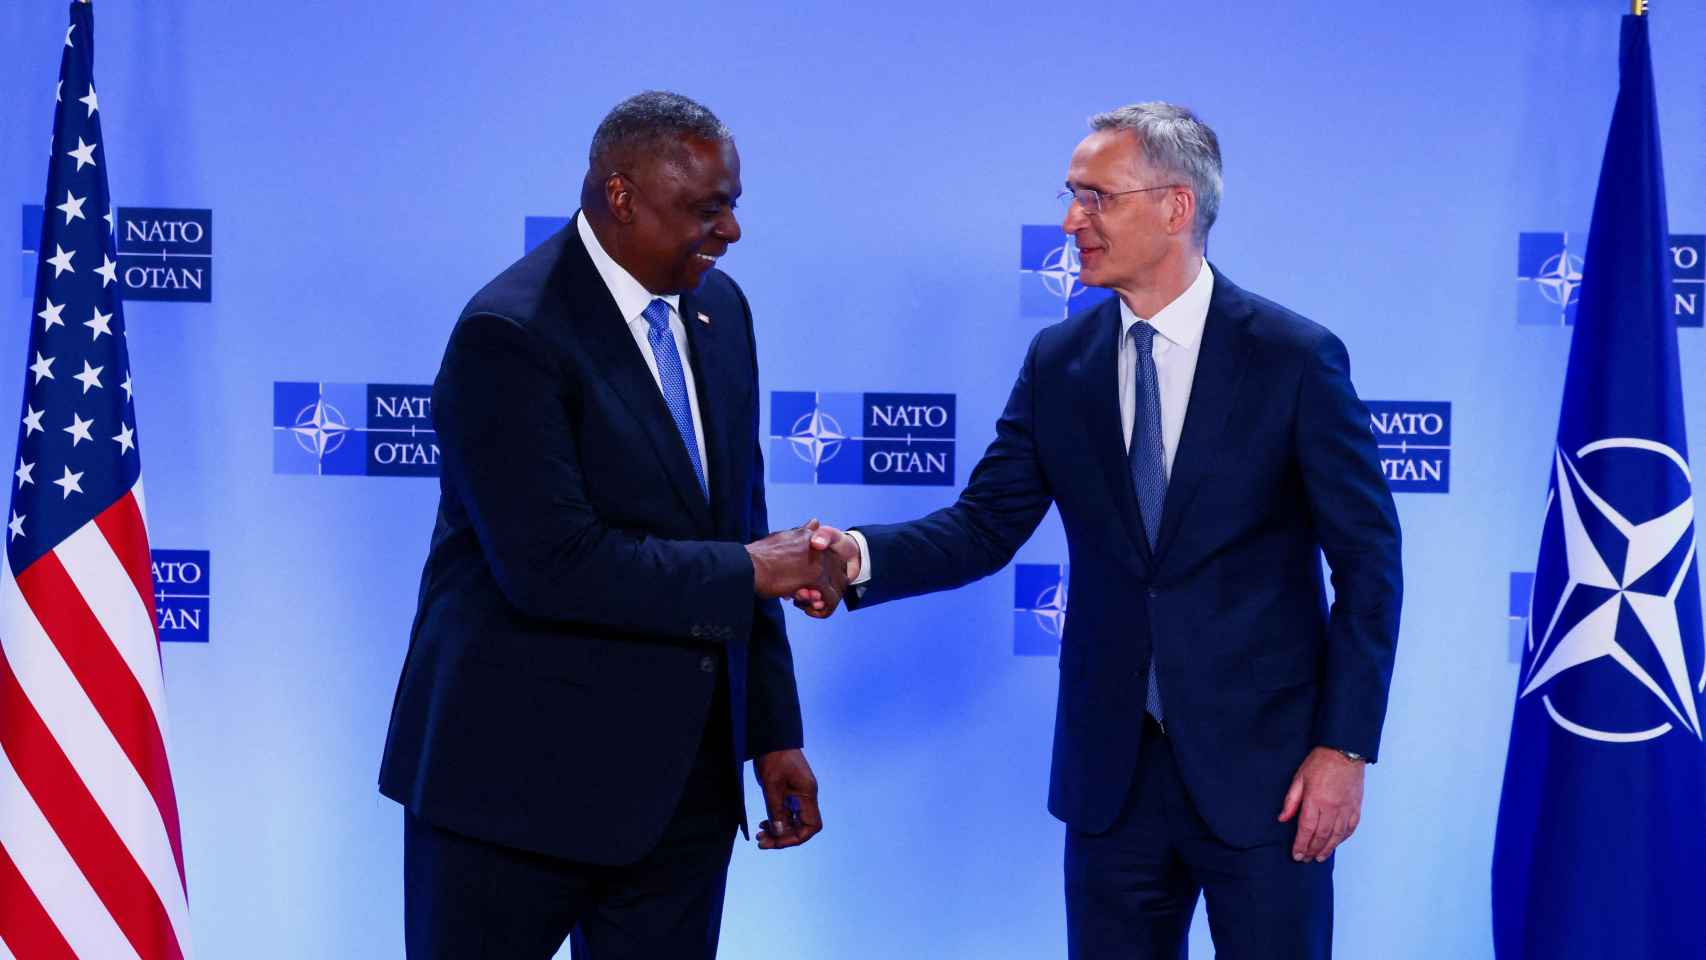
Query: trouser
<point>1131,891</point>
<point>466,898</point>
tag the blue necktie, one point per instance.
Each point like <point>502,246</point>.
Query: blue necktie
<point>1148,470</point>
<point>674,383</point>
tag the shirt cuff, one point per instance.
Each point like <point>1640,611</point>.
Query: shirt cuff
<point>864,576</point>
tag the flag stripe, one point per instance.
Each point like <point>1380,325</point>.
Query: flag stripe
<point>127,537</point>
<point>66,681</point>
<point>81,826</point>
<point>95,576</point>
<point>105,583</point>
<point>23,921</point>
<point>48,868</point>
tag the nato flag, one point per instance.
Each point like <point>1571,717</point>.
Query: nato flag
<point>1601,847</point>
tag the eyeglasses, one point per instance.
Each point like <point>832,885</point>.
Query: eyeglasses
<point>1091,200</point>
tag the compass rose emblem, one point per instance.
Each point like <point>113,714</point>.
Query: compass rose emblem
<point>816,438</point>
<point>1614,629</point>
<point>320,428</point>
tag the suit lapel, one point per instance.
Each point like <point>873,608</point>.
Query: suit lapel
<point>1220,369</point>
<point>1099,397</point>
<point>717,376</point>
<point>604,333</point>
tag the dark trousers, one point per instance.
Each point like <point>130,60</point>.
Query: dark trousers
<point>466,899</point>
<point>1131,892</point>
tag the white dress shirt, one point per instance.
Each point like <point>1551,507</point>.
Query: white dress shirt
<point>632,299</point>
<point>1178,342</point>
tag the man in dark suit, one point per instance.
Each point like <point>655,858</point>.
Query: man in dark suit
<point>1205,447</point>
<point>598,646</point>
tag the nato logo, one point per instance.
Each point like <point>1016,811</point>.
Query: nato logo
<point>354,429</point>
<point>1039,608</point>
<point>181,593</point>
<point>166,254</point>
<point>1048,275</point>
<point>1414,437</point>
<point>1516,619</point>
<point>1549,277</point>
<point>163,254</point>
<point>537,230</point>
<point>29,247</point>
<point>891,439</point>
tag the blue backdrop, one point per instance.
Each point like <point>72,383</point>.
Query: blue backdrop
<point>358,170</point>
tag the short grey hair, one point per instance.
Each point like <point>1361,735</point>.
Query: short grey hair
<point>648,122</point>
<point>1176,143</point>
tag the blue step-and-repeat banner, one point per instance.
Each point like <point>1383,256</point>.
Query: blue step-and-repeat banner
<point>1415,177</point>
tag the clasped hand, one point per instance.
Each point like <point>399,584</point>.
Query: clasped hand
<point>807,563</point>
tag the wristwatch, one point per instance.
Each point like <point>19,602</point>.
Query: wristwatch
<point>1352,756</point>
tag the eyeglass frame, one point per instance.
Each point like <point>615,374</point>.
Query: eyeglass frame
<point>1069,196</point>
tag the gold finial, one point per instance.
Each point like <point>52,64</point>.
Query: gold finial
<point>1640,8</point>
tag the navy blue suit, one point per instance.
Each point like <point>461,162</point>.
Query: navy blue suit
<point>1276,465</point>
<point>588,648</point>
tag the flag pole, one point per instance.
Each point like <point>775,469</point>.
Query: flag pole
<point>1640,8</point>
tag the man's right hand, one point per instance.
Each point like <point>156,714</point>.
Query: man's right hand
<point>785,563</point>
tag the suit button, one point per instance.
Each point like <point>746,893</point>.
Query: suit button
<point>1153,593</point>
<point>707,664</point>
<point>697,631</point>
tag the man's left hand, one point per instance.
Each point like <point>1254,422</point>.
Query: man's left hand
<point>784,776</point>
<point>1327,790</point>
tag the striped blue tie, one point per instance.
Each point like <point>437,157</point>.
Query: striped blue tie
<point>674,383</point>
<point>1148,470</point>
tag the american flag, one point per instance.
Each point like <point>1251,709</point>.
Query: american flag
<point>91,864</point>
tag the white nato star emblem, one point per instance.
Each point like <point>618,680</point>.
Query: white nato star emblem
<point>32,420</point>
<point>1059,270</point>
<point>68,35</point>
<point>1593,636</point>
<point>50,315</point>
<point>816,438</point>
<point>61,260</point>
<point>70,483</point>
<point>72,207</point>
<point>42,368</point>
<point>1050,609</point>
<point>90,378</point>
<point>108,271</point>
<point>79,429</point>
<point>126,439</point>
<point>320,428</point>
<point>84,154</point>
<point>1560,277</point>
<point>90,101</point>
<point>23,472</point>
<point>98,324</point>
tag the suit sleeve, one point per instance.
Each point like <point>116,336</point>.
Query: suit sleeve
<point>508,452</point>
<point>773,698</point>
<point>1356,522</point>
<point>1007,496</point>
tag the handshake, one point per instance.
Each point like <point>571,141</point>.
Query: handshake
<point>811,563</point>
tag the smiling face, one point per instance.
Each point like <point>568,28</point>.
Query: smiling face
<point>1126,244</point>
<point>678,213</point>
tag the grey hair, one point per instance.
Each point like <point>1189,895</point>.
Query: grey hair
<point>655,120</point>
<point>1174,142</point>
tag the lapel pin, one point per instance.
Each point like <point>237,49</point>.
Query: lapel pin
<point>704,320</point>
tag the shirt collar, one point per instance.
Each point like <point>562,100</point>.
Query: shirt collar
<point>631,296</point>
<point>1180,322</point>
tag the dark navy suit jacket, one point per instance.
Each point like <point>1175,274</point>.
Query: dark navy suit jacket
<point>579,589</point>
<point>1276,465</point>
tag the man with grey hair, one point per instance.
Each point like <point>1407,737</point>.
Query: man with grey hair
<point>1205,447</point>
<point>598,645</point>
